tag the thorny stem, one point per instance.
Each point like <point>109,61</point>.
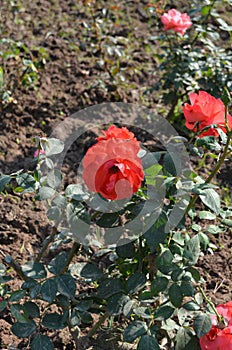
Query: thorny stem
<point>219,317</point>
<point>214,172</point>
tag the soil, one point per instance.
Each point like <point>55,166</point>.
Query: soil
<point>73,78</point>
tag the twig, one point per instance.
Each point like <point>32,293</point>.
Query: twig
<point>46,244</point>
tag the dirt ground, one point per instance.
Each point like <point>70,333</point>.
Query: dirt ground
<point>73,78</point>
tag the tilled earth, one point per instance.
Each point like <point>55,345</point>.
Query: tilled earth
<point>74,77</point>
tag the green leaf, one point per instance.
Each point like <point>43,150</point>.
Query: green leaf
<point>151,173</point>
<point>128,308</point>
<point>125,249</point>
<point>75,318</point>
<point>2,270</point>
<point>192,250</point>
<point>205,10</point>
<point>109,287</point>
<point>86,317</point>
<point>90,272</point>
<point>142,312</point>
<point>191,306</point>
<point>164,312</point>
<point>178,237</point>
<point>18,312</point>
<point>57,264</point>
<point>48,290</point>
<point>185,340</point>
<point>3,305</point>
<point>76,192</point>
<point>202,324</point>
<point>157,233</point>
<point>34,291</point>
<point>26,181</point>
<point>227,222</point>
<point>147,342</point>
<point>172,163</point>
<point>159,285</point>
<point>214,229</point>
<point>31,309</point>
<point>54,213</point>
<point>175,295</point>
<point>209,142</point>
<point>187,288</point>
<point>45,192</point>
<point>54,178</point>
<point>53,321</point>
<point>42,342</point>
<point>211,199</point>
<point>34,269</point>
<point>134,330</point>
<point>116,303</point>
<point>17,295</point>
<point>108,220</point>
<point>136,282</point>
<point>164,262</point>
<point>204,240</point>
<point>4,180</point>
<point>207,215</point>
<point>23,329</point>
<point>66,285</point>
<point>195,273</point>
<point>52,146</point>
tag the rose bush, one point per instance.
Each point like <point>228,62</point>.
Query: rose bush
<point>176,20</point>
<point>220,335</point>
<point>205,110</point>
<point>112,167</point>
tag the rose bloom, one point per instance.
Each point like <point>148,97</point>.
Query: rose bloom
<point>205,110</point>
<point>112,168</point>
<point>177,21</point>
<point>219,338</point>
<point>117,133</point>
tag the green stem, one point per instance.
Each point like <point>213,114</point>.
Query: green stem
<point>72,252</point>
<point>15,266</point>
<point>214,172</point>
<point>219,317</point>
<point>46,244</point>
<point>140,265</point>
<point>97,325</point>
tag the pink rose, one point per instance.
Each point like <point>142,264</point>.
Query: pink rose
<point>177,21</point>
<point>220,336</point>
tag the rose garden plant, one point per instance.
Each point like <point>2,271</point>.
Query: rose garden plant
<point>151,285</point>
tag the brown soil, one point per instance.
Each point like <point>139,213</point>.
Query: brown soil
<point>72,79</point>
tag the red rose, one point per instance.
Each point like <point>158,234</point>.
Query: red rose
<point>177,21</point>
<point>205,110</point>
<point>112,167</point>
<point>219,337</point>
<point>117,133</point>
